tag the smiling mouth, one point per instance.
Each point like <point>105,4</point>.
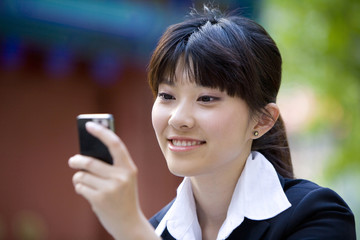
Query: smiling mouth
<point>185,143</point>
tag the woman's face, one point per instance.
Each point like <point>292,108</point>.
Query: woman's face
<point>201,130</point>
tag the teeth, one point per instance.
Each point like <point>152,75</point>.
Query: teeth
<point>179,143</point>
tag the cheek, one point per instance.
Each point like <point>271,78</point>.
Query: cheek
<point>227,126</point>
<point>159,118</point>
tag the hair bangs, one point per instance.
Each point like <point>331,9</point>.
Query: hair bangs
<point>205,52</point>
<point>212,54</point>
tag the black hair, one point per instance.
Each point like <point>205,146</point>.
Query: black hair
<point>234,54</point>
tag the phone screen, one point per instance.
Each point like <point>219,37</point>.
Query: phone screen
<point>90,145</point>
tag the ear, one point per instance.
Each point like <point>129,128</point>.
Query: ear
<point>266,120</point>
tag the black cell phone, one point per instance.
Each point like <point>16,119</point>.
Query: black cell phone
<point>90,145</point>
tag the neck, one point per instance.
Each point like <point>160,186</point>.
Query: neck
<point>213,193</point>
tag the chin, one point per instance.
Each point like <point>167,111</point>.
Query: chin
<point>186,170</point>
<point>181,170</point>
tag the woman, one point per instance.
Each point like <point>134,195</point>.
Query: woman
<point>215,79</point>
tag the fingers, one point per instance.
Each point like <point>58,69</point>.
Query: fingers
<point>117,148</point>
<point>88,179</point>
<point>87,192</point>
<point>89,164</point>
<point>111,190</point>
<point>94,188</point>
<point>99,175</point>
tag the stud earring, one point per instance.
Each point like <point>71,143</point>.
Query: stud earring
<point>256,133</point>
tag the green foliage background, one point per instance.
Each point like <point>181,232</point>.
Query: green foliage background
<point>320,44</point>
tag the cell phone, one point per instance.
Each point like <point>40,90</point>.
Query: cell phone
<point>90,145</point>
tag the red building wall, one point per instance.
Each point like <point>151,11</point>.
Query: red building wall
<point>38,135</point>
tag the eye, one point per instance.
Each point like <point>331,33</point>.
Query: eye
<point>207,99</point>
<point>165,96</point>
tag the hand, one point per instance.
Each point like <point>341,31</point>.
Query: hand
<point>111,190</point>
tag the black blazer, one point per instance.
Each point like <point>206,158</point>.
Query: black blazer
<point>316,213</point>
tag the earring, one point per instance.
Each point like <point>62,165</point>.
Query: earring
<point>256,133</point>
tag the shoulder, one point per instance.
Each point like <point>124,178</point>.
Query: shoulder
<point>297,190</point>
<point>300,191</point>
<point>315,211</point>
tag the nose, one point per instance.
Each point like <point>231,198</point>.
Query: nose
<point>182,117</point>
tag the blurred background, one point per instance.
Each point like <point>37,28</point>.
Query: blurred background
<point>61,58</point>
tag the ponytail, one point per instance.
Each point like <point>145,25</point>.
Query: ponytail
<point>275,147</point>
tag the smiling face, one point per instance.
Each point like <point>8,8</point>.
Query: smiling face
<point>201,130</point>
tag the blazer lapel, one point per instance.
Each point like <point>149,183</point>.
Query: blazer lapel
<point>249,229</point>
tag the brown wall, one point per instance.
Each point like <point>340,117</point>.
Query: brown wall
<point>38,135</point>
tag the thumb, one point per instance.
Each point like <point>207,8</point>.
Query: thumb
<point>117,148</point>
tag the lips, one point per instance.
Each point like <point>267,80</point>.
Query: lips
<point>182,144</point>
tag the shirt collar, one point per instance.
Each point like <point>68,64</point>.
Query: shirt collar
<point>258,195</point>
<point>181,219</point>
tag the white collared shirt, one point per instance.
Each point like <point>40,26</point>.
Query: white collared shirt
<point>258,195</point>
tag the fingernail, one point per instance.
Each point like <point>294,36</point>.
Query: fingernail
<point>71,160</point>
<point>92,125</point>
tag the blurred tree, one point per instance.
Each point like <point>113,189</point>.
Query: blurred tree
<point>320,44</point>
